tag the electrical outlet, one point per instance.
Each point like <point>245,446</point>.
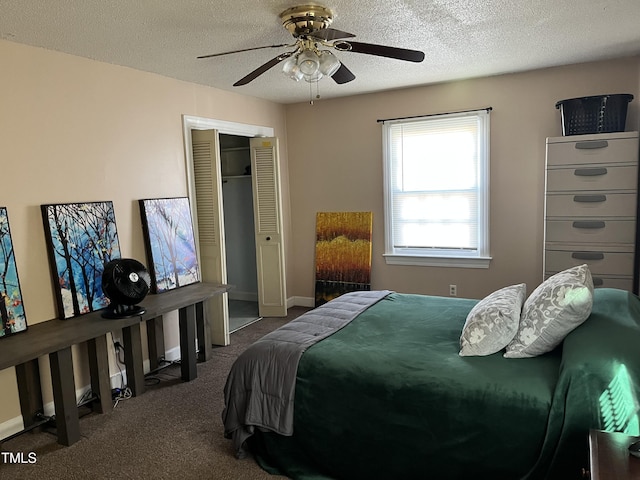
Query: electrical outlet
<point>453,290</point>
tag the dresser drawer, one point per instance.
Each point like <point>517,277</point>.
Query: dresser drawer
<point>592,178</point>
<point>591,231</point>
<point>591,205</point>
<point>592,149</point>
<point>604,281</point>
<point>600,261</point>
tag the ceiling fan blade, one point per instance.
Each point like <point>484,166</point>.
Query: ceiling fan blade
<point>329,34</point>
<point>242,50</point>
<point>261,69</point>
<point>343,75</point>
<point>382,51</point>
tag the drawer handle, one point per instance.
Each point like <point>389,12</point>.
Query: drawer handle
<point>586,224</point>
<point>590,172</point>
<point>588,255</point>
<point>597,281</point>
<point>591,145</point>
<point>589,198</point>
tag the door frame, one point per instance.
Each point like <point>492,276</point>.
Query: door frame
<point>189,123</point>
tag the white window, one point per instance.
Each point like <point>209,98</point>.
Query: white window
<point>437,190</point>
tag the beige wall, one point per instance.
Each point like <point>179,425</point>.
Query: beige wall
<point>76,130</point>
<point>335,164</point>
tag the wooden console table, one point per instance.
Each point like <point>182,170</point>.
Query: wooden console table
<point>55,338</point>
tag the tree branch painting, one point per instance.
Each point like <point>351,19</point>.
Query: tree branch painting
<point>81,238</point>
<point>171,249</point>
<point>11,307</point>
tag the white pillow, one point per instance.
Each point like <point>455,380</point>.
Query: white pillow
<point>493,321</point>
<point>556,307</point>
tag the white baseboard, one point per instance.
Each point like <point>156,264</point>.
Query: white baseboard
<point>301,302</point>
<point>15,424</point>
<point>170,355</point>
<point>11,426</point>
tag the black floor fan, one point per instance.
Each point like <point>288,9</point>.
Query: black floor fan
<point>125,282</point>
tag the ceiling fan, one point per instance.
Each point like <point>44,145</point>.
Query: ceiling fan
<point>309,25</point>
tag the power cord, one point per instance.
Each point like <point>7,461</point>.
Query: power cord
<point>159,374</point>
<point>124,392</point>
<point>87,397</point>
<point>152,378</point>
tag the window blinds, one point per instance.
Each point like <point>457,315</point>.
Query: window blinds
<point>437,176</point>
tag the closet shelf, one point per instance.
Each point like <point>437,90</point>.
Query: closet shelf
<point>235,149</point>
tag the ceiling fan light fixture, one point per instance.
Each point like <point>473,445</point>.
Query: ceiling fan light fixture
<point>308,62</point>
<point>290,69</point>
<point>329,64</point>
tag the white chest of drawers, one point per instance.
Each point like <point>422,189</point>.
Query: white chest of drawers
<point>591,206</point>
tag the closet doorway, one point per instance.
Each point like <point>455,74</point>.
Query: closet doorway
<point>239,228</point>
<point>205,190</point>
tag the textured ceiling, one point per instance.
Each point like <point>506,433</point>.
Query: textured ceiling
<point>461,38</point>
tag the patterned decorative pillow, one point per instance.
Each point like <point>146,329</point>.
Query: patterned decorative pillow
<point>555,308</point>
<point>493,321</point>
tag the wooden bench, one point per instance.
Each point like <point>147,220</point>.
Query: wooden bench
<point>55,338</point>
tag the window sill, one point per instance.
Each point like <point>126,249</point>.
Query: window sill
<point>455,262</point>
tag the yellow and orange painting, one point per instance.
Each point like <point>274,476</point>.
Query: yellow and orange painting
<point>343,253</point>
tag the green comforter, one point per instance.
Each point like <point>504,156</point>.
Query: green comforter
<point>388,396</point>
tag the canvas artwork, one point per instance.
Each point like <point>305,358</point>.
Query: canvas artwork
<point>170,242</point>
<point>81,239</point>
<point>11,307</point>
<point>343,253</point>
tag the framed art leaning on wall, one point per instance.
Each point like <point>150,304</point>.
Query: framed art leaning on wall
<point>81,239</point>
<point>170,243</point>
<point>11,307</point>
<point>343,253</point>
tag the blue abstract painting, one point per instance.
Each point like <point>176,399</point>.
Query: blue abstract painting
<point>11,307</point>
<point>171,248</point>
<point>82,238</point>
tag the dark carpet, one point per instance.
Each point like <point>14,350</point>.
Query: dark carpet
<point>173,431</point>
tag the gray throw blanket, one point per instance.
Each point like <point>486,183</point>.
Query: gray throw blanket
<point>261,385</point>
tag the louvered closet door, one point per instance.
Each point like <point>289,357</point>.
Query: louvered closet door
<point>268,224</point>
<point>210,227</point>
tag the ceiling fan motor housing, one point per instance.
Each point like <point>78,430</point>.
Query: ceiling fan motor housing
<point>304,19</point>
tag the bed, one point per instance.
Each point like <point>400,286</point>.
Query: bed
<point>384,393</point>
